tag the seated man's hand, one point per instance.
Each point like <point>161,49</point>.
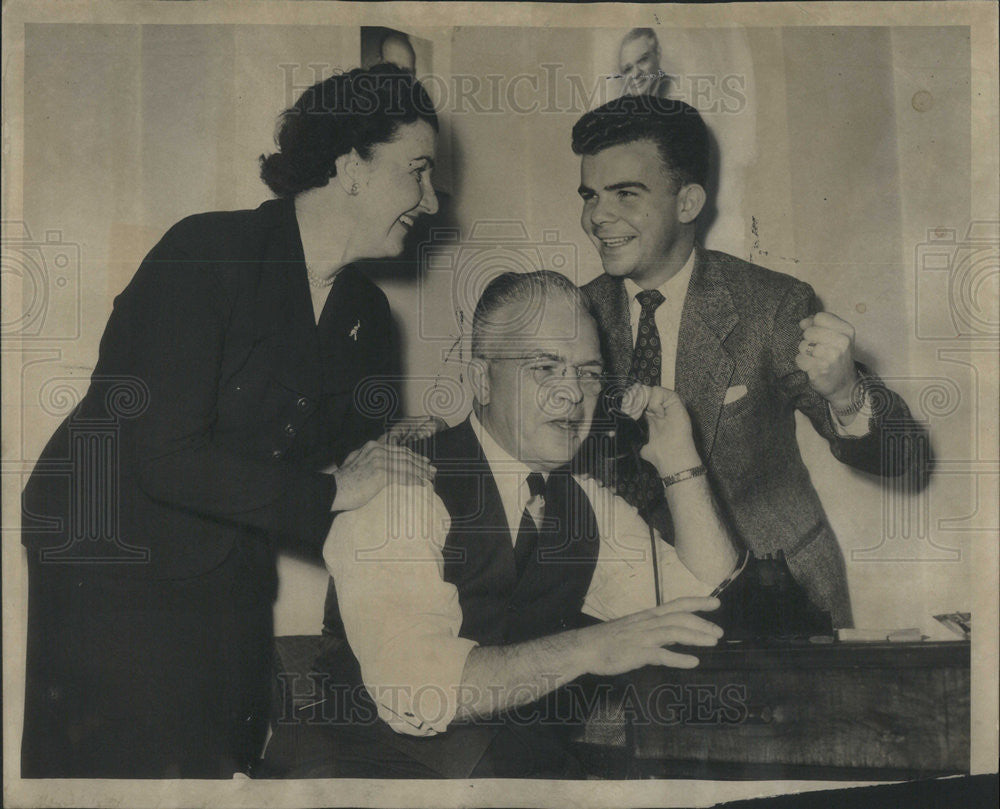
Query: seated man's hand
<point>671,446</point>
<point>637,640</point>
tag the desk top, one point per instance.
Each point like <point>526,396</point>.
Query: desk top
<point>730,655</point>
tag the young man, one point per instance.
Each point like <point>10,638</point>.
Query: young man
<point>744,347</point>
<point>511,577</point>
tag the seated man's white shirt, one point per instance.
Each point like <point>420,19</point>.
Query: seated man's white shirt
<point>402,619</point>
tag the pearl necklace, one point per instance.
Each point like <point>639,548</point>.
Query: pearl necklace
<point>317,281</point>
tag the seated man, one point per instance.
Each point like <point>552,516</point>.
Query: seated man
<point>466,599</point>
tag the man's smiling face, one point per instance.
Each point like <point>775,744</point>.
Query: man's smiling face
<point>639,64</point>
<point>630,210</point>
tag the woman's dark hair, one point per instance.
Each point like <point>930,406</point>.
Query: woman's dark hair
<point>676,128</point>
<point>354,110</point>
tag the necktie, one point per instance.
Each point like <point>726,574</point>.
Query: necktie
<point>527,533</point>
<point>647,359</point>
<point>641,488</point>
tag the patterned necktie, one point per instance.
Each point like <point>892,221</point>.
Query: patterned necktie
<point>640,486</point>
<point>647,359</point>
<point>527,533</point>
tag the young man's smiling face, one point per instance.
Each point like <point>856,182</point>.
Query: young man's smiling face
<point>631,212</point>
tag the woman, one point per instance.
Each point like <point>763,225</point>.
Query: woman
<point>221,420</point>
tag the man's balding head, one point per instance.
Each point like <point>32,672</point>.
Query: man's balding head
<point>536,370</point>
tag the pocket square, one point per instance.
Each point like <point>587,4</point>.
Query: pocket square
<point>734,394</point>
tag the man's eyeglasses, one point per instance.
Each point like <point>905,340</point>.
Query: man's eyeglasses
<point>545,369</point>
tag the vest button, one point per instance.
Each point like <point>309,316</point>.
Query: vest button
<point>302,403</point>
<point>276,455</point>
<point>289,430</point>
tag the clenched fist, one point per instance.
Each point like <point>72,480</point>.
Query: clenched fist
<point>671,445</point>
<point>826,354</point>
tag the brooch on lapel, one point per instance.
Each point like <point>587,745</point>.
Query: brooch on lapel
<point>353,334</point>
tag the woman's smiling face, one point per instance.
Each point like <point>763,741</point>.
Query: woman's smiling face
<point>394,190</point>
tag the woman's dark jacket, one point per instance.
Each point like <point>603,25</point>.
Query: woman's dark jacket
<point>215,402</point>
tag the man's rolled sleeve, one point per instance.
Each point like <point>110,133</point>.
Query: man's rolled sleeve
<point>623,578</point>
<point>401,618</point>
<point>415,681</point>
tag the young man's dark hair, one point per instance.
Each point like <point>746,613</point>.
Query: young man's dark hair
<point>676,128</point>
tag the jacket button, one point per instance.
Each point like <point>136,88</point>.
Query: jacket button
<point>276,454</point>
<point>302,403</point>
<point>289,429</point>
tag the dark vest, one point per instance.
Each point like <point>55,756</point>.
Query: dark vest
<point>497,607</point>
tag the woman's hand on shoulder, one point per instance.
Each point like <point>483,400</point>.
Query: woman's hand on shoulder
<point>414,428</point>
<point>366,471</point>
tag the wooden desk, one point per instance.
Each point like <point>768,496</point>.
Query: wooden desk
<point>853,711</point>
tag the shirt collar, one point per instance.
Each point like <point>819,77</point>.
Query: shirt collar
<point>497,457</point>
<point>509,473</point>
<point>674,288</point>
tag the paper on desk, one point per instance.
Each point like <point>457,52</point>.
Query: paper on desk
<point>880,635</point>
<point>929,630</point>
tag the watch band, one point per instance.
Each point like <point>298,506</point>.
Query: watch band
<point>685,474</point>
<point>859,395</point>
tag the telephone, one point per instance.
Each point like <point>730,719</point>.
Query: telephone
<point>765,603</point>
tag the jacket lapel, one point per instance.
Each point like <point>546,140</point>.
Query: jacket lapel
<point>609,306</point>
<point>704,367</point>
<point>284,306</point>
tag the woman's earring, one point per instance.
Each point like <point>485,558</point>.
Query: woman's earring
<point>354,189</point>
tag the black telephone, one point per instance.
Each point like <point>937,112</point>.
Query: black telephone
<point>766,603</point>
